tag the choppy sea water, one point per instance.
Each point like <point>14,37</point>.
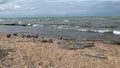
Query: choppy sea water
<point>75,27</point>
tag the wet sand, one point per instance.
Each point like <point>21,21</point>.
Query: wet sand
<point>19,52</point>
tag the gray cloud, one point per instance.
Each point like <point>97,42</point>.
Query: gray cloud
<point>59,7</point>
<point>5,1</point>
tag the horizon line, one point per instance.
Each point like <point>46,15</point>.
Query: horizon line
<point>60,16</point>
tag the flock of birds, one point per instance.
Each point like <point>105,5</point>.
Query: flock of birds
<point>23,35</point>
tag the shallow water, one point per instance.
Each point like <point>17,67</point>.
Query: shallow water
<point>76,27</point>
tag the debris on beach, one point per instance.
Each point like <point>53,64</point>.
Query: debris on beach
<point>4,53</point>
<point>74,45</point>
<point>112,42</point>
<point>116,42</point>
<point>100,56</point>
<point>47,41</point>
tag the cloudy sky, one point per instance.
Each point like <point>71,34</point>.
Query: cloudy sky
<point>26,8</point>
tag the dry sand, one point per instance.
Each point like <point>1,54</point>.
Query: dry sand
<point>17,52</point>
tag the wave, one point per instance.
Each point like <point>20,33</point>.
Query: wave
<point>69,27</point>
<point>66,20</point>
<point>1,20</point>
<point>20,22</point>
<point>23,24</point>
<point>62,27</point>
<point>29,24</point>
<point>35,25</point>
<point>101,31</point>
<point>41,26</point>
<point>90,30</point>
<point>84,30</point>
<point>91,26</point>
<point>116,32</point>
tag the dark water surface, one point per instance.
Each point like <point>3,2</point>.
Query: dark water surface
<point>106,28</point>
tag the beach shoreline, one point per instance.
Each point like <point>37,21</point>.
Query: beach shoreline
<point>23,51</point>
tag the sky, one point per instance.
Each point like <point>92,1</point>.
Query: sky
<point>41,8</point>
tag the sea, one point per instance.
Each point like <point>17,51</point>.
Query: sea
<point>91,28</point>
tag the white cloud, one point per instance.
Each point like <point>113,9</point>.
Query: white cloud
<point>16,6</point>
<point>9,7</point>
<point>1,8</point>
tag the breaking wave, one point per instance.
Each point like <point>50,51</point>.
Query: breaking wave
<point>116,32</point>
<point>1,20</point>
<point>68,27</point>
<point>101,31</point>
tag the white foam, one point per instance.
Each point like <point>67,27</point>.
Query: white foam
<point>63,27</point>
<point>1,20</point>
<point>20,22</point>
<point>66,20</point>
<point>101,31</point>
<point>68,28</point>
<point>116,32</point>
<point>97,31</point>
<point>28,24</point>
<point>98,18</point>
<point>35,25</point>
<point>41,25</point>
<point>77,27</point>
<point>85,30</point>
<point>54,26</point>
<point>60,27</point>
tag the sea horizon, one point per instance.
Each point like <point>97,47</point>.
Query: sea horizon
<point>61,16</point>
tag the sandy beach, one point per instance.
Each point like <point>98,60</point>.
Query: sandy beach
<point>19,52</point>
